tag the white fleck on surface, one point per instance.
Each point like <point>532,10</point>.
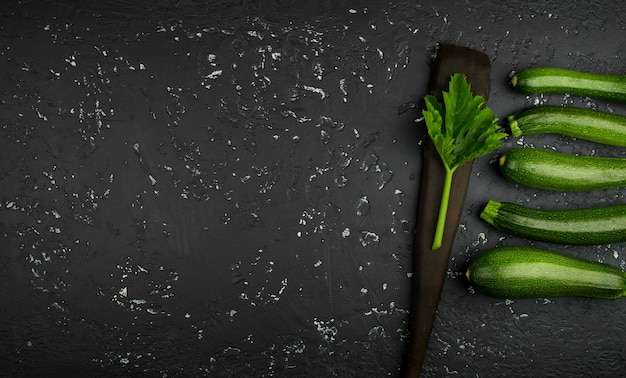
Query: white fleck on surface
<point>368,238</point>
<point>345,233</point>
<point>319,91</point>
<point>362,206</point>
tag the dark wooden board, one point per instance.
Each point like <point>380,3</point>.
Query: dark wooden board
<point>429,267</point>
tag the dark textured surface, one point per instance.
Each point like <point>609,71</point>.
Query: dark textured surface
<point>226,188</point>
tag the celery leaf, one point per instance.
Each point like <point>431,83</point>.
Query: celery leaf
<point>462,129</point>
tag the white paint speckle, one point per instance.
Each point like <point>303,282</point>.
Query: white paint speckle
<point>214,75</point>
<point>368,237</point>
<point>319,91</point>
<point>326,330</point>
<point>345,233</point>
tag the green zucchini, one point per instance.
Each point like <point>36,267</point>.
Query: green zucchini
<point>545,169</point>
<point>610,87</point>
<point>586,124</point>
<point>581,226</point>
<point>524,272</point>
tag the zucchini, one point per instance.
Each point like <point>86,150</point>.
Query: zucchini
<point>545,169</point>
<point>583,226</point>
<point>587,124</point>
<point>610,87</point>
<point>524,272</point>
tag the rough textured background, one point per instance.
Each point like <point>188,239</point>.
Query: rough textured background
<point>226,188</point>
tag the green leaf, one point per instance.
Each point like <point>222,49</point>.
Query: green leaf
<point>462,129</point>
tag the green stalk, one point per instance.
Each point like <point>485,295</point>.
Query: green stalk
<point>443,208</point>
<point>462,129</point>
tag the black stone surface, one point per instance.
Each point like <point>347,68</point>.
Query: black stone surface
<point>228,189</point>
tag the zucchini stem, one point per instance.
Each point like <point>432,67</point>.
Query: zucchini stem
<point>502,160</point>
<point>490,212</point>
<point>514,126</point>
<point>443,209</point>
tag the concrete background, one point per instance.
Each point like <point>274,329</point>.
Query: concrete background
<point>228,188</point>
